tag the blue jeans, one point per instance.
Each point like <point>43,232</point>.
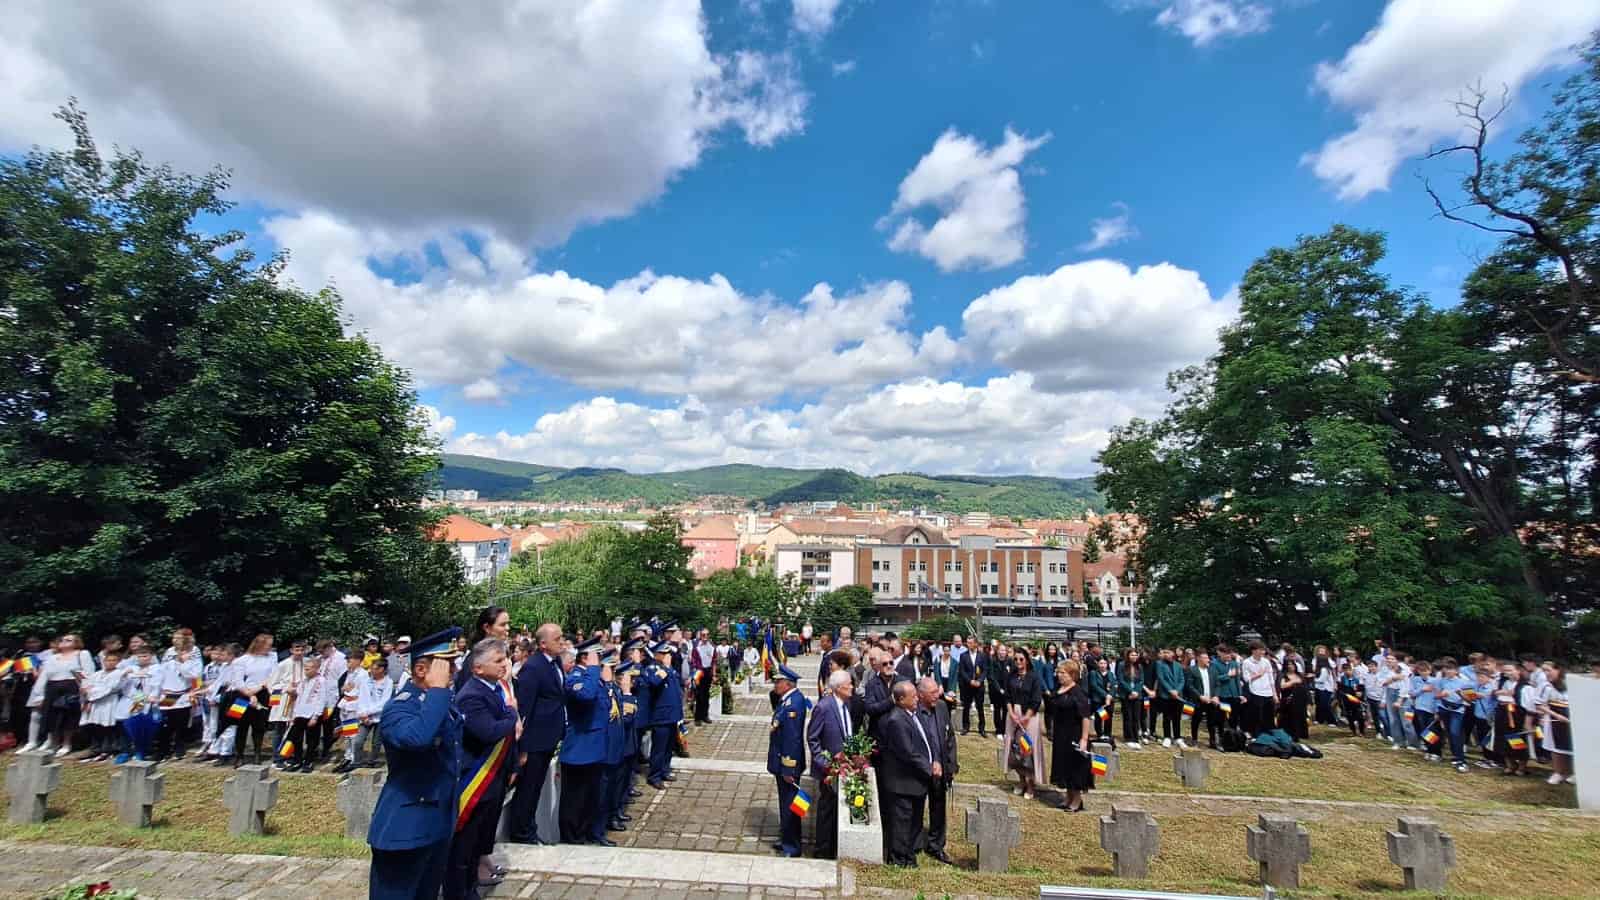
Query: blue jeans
<point>1422,721</point>
<point>1380,722</point>
<point>1452,721</point>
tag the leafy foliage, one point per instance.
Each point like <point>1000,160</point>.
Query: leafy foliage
<point>183,438</point>
<point>845,607</point>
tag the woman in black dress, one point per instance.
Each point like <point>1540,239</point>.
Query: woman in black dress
<point>1296,696</point>
<point>1070,757</point>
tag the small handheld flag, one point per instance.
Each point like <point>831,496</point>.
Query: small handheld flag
<point>1410,716</point>
<point>276,700</point>
<point>699,676</point>
<point>287,750</point>
<point>1516,742</point>
<point>24,664</point>
<point>1103,713</point>
<point>801,804</point>
<point>1024,743</point>
<point>349,728</point>
<point>1431,738</point>
<point>5,667</point>
<point>197,683</point>
<point>1100,765</point>
<point>1538,732</point>
<point>1188,709</point>
<point>1352,698</point>
<point>1227,708</point>
<point>238,708</point>
<point>1147,703</point>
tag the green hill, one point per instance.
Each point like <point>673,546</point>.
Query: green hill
<point>1018,496</point>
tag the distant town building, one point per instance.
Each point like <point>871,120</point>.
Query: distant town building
<point>714,544</point>
<point>454,495</point>
<point>483,551</point>
<point>976,519</point>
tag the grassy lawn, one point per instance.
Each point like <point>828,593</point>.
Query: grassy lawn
<point>305,822</point>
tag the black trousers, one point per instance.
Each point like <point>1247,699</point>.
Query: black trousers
<point>702,699</point>
<point>1132,718</point>
<point>1213,719</point>
<point>174,731</point>
<point>580,801</point>
<point>969,696</point>
<point>902,827</point>
<point>998,702</point>
<point>252,726</point>
<point>1150,715</point>
<point>525,800</point>
<point>825,842</point>
<point>413,874</point>
<point>788,821</point>
<point>1171,713</point>
<point>933,838</point>
<point>461,871</point>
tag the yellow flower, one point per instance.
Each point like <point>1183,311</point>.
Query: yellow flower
<point>860,800</point>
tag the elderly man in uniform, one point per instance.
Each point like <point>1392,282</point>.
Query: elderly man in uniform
<point>416,812</point>
<point>786,754</point>
<point>666,711</point>
<point>616,731</point>
<point>583,747</point>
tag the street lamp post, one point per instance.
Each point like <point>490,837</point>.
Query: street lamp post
<point>972,543</point>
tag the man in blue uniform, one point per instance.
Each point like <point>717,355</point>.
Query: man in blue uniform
<point>616,732</point>
<point>541,700</point>
<point>666,711</point>
<point>786,754</point>
<point>583,746</point>
<point>635,652</point>
<point>490,729</point>
<point>622,780</point>
<point>416,812</point>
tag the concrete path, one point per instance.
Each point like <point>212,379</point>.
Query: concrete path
<point>677,865</point>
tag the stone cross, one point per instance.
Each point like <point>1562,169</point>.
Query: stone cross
<point>1131,836</point>
<point>1280,845</point>
<point>995,828</point>
<point>1192,768</point>
<point>136,787</point>
<point>248,795</point>
<point>1425,853</point>
<point>358,797</point>
<point>29,780</point>
<point>1113,764</point>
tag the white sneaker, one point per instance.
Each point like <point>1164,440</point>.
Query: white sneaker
<point>1182,745</point>
<point>1166,742</point>
<point>1571,779</point>
<point>1016,791</point>
<point>29,747</point>
<point>63,751</point>
<point>1553,779</point>
<point>1132,745</point>
<point>48,747</point>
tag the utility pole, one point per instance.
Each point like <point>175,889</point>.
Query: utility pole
<point>972,543</point>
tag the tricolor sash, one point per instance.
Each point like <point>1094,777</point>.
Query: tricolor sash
<point>479,785</point>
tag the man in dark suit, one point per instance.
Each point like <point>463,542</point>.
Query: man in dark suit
<point>973,671</point>
<point>935,717</point>
<point>905,664</point>
<point>490,729</point>
<point>1000,685</point>
<point>908,768</point>
<point>879,702</point>
<point>831,722</point>
<point>541,698</point>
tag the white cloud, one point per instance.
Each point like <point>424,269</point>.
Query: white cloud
<point>1400,79</point>
<point>659,334</point>
<point>977,193</point>
<point>844,67</point>
<point>440,426</point>
<point>1205,21</point>
<point>1098,325</point>
<point>526,119</point>
<point>482,389</point>
<point>1110,230</point>
<point>814,18</point>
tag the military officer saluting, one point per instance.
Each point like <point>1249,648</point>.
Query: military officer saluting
<point>621,784</point>
<point>416,812</point>
<point>616,731</point>
<point>583,747</point>
<point>666,711</point>
<point>786,754</point>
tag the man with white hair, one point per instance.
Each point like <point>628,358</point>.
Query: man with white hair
<point>934,715</point>
<point>831,723</point>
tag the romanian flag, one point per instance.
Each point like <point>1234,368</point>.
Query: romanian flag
<point>1147,703</point>
<point>1410,715</point>
<point>1024,743</point>
<point>683,736</point>
<point>349,728</point>
<point>479,785</point>
<point>1100,765</point>
<point>1352,698</point>
<point>1188,709</point>
<point>766,654</point>
<point>1226,707</point>
<point>1103,713</point>
<point>24,664</point>
<point>327,713</point>
<point>801,804</point>
<point>276,700</point>
<point>1516,742</point>
<point>197,683</point>
<point>287,750</point>
<point>1538,732</point>
<point>699,676</point>
<point>5,667</point>
<point>238,708</point>
<point>1431,738</point>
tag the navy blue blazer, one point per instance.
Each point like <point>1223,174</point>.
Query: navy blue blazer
<point>666,707</point>
<point>486,720</point>
<point>542,702</point>
<point>421,732</point>
<point>825,733</point>
<point>588,709</point>
<point>786,744</point>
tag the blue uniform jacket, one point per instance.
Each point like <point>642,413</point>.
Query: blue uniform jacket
<point>644,696</point>
<point>786,745</point>
<point>486,720</point>
<point>630,719</point>
<point>666,707</point>
<point>585,740</point>
<point>543,704</point>
<point>421,731</point>
<point>617,744</point>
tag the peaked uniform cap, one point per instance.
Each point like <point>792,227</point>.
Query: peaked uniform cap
<point>441,644</point>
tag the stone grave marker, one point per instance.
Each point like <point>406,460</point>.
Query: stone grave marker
<point>1192,768</point>
<point>1425,853</point>
<point>1131,836</point>
<point>994,827</point>
<point>1280,845</point>
<point>248,795</point>
<point>29,780</point>
<point>358,797</point>
<point>1113,764</point>
<point>136,787</point>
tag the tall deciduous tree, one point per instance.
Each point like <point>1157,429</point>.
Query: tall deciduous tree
<point>182,437</point>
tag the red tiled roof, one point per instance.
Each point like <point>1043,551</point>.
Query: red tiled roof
<point>712,529</point>
<point>462,530</point>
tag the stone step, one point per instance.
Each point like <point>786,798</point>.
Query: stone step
<point>715,869</point>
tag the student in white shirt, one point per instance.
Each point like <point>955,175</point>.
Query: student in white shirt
<point>293,755</point>
<point>136,704</point>
<point>1260,696</point>
<point>181,668</point>
<point>99,716</point>
<point>375,691</point>
<point>217,674</point>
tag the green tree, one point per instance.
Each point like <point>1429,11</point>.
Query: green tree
<point>846,607</point>
<point>182,437</point>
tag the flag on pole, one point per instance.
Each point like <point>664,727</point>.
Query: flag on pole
<point>287,750</point>
<point>24,664</point>
<point>349,728</point>
<point>1100,765</point>
<point>1352,698</point>
<point>1516,742</point>
<point>801,804</point>
<point>1103,713</point>
<point>1226,707</point>
<point>276,700</point>
<point>238,708</point>
<point>1024,743</point>
<point>1188,709</point>
<point>1431,738</point>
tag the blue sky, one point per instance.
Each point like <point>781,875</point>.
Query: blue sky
<point>799,232</point>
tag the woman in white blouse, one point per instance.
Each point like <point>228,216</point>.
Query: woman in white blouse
<point>62,675</point>
<point>250,675</point>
